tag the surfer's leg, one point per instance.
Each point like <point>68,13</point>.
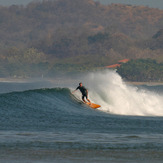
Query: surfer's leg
<point>87,98</point>
<point>83,99</point>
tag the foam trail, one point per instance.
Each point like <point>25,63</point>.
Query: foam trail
<point>115,96</point>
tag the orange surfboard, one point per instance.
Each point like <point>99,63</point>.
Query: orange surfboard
<point>92,105</point>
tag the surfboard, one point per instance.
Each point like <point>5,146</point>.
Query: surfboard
<point>92,105</point>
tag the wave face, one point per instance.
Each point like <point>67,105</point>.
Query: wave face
<point>41,107</point>
<point>105,88</point>
<point>116,97</point>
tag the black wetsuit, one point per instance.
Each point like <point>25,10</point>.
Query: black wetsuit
<point>83,90</point>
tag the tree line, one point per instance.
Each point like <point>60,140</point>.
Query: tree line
<point>143,70</point>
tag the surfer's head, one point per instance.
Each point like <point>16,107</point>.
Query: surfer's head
<point>80,84</point>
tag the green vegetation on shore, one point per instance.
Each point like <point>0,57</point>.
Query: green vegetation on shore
<point>143,70</point>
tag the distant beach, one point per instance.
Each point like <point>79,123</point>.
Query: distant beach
<point>145,83</point>
<point>19,80</point>
<point>22,80</point>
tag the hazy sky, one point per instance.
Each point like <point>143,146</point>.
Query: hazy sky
<point>150,3</point>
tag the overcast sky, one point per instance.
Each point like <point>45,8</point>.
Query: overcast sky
<point>150,3</point>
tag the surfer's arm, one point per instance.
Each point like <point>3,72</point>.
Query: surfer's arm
<point>75,90</point>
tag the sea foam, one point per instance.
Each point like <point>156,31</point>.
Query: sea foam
<point>117,97</point>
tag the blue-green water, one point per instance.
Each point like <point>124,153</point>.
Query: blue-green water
<point>41,124</point>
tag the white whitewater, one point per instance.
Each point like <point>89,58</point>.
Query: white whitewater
<point>116,97</point>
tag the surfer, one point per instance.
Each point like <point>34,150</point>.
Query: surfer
<point>84,92</point>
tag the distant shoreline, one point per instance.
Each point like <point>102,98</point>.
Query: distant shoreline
<point>13,80</point>
<point>22,80</point>
<point>145,83</point>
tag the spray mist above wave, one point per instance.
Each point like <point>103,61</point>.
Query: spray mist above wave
<point>115,96</point>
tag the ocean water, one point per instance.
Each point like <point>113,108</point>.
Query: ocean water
<point>44,122</point>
